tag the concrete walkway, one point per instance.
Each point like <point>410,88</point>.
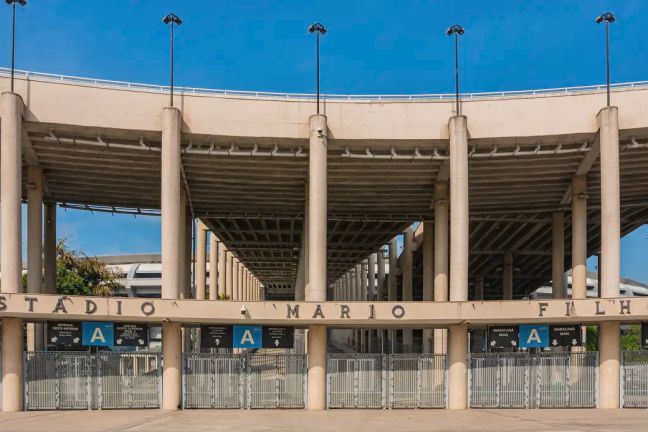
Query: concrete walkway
<point>333,421</point>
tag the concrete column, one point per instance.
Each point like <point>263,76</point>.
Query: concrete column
<point>213,266</point>
<point>459,208</point>
<point>610,353</point>
<point>440,259</point>
<point>201,260</point>
<point>457,367</point>
<point>428,278</point>
<point>507,276</point>
<point>610,260</point>
<point>317,213</point>
<point>380,289</point>
<point>610,263</point>
<point>558,256</point>
<point>49,248</point>
<point>34,249</point>
<point>393,269</point>
<point>407,268</point>
<point>579,237</point>
<point>187,282</point>
<point>235,279</point>
<point>222,267</point>
<point>172,372</point>
<point>363,297</point>
<point>173,248</point>
<point>229,272</point>
<point>371,277</point>
<point>479,289</point>
<point>11,247</point>
<point>316,338</point>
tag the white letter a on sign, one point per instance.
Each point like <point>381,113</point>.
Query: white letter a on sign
<point>247,337</point>
<point>534,336</point>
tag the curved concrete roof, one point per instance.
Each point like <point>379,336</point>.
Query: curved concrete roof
<point>245,162</point>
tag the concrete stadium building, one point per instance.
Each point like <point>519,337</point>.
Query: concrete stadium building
<point>491,204</point>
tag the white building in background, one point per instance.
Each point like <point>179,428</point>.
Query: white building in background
<point>627,288</point>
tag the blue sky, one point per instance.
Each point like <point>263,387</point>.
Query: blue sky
<point>372,47</point>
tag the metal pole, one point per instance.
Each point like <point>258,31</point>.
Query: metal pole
<point>457,71</point>
<point>13,43</point>
<point>318,73</point>
<point>171,63</point>
<point>607,59</point>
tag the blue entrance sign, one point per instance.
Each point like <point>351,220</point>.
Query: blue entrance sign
<point>534,336</point>
<point>248,336</point>
<point>97,333</point>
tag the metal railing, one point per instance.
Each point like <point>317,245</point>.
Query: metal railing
<point>244,380</point>
<point>49,77</point>
<point>634,380</point>
<point>543,380</point>
<point>84,380</point>
<point>386,381</point>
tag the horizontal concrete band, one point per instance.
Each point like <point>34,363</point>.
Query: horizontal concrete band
<point>366,314</point>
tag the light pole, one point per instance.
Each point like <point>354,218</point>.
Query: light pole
<point>608,18</point>
<point>457,31</point>
<point>320,30</point>
<point>13,34</point>
<point>172,19</point>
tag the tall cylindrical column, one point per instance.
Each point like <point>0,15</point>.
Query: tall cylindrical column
<point>440,259</point>
<point>610,264</point>
<point>213,266</point>
<point>11,247</point>
<point>34,249</point>
<point>479,289</point>
<point>235,279</point>
<point>371,277</point>
<point>507,276</point>
<point>380,289</point>
<point>459,208</point>
<point>229,272</point>
<point>393,269</point>
<point>558,255</point>
<point>317,213</point>
<point>609,370</point>
<point>201,260</point>
<point>316,338</point>
<point>49,248</point>
<point>173,248</point>
<point>407,263</point>
<point>428,278</point>
<point>457,367</point>
<point>579,237</point>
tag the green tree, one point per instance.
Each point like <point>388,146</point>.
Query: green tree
<point>631,338</point>
<point>79,274</point>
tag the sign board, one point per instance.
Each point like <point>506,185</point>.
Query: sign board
<point>97,333</point>
<point>503,336</point>
<point>131,335</point>
<point>64,335</point>
<point>534,335</point>
<point>644,335</point>
<point>216,337</point>
<point>565,335</point>
<point>247,336</point>
<point>278,337</point>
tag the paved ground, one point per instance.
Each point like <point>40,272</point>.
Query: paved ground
<point>333,421</point>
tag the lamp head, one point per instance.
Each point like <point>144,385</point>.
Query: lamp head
<point>455,29</point>
<point>20,2</point>
<point>607,17</point>
<point>317,27</point>
<point>172,18</point>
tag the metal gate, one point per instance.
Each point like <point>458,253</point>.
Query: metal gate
<point>357,381</point>
<point>543,380</point>
<point>417,381</point>
<point>84,380</point>
<point>244,381</point>
<point>635,379</point>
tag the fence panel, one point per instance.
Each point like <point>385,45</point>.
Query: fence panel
<point>129,380</point>
<point>213,380</point>
<point>276,380</point>
<point>417,381</point>
<point>356,381</point>
<point>58,380</point>
<point>635,379</point>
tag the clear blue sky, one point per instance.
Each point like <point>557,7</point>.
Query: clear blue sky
<point>371,47</point>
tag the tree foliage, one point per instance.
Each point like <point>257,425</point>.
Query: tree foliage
<point>79,274</point>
